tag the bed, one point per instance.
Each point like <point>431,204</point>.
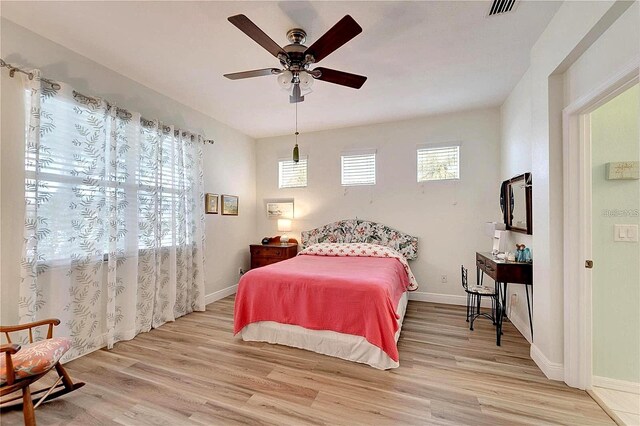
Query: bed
<point>344,295</point>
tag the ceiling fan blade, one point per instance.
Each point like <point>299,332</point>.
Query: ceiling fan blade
<point>253,73</point>
<point>340,77</point>
<point>245,25</point>
<point>346,29</point>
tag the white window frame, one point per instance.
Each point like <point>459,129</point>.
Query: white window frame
<point>281,160</point>
<point>359,153</point>
<point>438,146</point>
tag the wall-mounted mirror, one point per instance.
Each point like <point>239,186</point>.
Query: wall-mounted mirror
<point>515,200</point>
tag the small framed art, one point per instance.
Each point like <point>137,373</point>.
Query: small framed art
<point>280,210</point>
<point>211,203</point>
<point>229,205</point>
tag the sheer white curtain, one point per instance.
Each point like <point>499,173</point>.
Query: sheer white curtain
<point>113,231</point>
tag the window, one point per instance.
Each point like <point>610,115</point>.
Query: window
<point>83,183</point>
<point>439,163</point>
<point>359,169</point>
<point>292,174</point>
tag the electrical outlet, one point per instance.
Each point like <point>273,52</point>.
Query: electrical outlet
<point>240,271</point>
<point>443,279</point>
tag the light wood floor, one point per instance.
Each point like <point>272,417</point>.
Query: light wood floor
<point>194,371</point>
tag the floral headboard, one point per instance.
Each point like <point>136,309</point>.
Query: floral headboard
<point>362,231</point>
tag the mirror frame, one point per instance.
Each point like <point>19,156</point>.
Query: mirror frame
<point>508,188</point>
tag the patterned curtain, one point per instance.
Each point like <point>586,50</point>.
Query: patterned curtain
<point>113,231</point>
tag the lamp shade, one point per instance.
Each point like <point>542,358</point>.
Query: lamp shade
<point>306,80</point>
<point>284,225</point>
<point>490,228</point>
<point>285,80</point>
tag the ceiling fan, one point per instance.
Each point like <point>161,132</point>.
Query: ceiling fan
<point>296,58</point>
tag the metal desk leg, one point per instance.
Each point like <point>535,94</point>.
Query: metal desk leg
<point>499,317</point>
<point>504,304</point>
<point>529,309</point>
<point>498,302</point>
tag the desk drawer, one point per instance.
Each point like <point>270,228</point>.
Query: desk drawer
<point>490,267</point>
<point>486,265</point>
<point>511,272</point>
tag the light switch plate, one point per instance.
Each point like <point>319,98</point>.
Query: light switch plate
<point>625,233</point>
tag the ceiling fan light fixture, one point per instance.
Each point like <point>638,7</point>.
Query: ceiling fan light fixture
<point>306,80</point>
<point>285,80</point>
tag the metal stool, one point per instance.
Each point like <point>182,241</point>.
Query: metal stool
<point>474,300</point>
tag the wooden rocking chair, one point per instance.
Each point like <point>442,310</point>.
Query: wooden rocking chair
<point>20,367</point>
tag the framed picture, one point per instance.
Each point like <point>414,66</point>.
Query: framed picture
<point>211,203</point>
<point>280,210</point>
<point>229,205</point>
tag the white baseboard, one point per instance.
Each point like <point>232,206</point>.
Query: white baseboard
<point>553,370</point>
<point>522,325</point>
<point>615,384</point>
<point>447,299</point>
<point>220,294</point>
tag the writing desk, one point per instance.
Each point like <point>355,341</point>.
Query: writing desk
<point>505,272</point>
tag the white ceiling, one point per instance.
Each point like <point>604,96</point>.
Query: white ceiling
<point>420,57</point>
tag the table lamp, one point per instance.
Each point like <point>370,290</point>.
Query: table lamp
<point>499,236</point>
<point>284,225</point>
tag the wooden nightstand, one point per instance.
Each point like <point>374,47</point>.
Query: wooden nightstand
<point>266,254</point>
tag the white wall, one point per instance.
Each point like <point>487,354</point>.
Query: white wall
<point>229,164</point>
<point>447,217</point>
<point>617,47</point>
<point>515,159</point>
<point>574,28</point>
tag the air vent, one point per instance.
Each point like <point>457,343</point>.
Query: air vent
<point>499,7</point>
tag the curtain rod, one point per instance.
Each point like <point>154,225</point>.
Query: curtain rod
<point>56,86</point>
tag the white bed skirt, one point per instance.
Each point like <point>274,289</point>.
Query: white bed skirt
<point>327,342</point>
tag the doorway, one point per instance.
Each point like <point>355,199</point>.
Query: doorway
<point>615,277</point>
<point>589,233</point>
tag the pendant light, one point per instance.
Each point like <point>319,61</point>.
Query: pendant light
<point>296,152</point>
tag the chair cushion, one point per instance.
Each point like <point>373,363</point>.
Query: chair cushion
<point>35,358</point>
<point>482,289</point>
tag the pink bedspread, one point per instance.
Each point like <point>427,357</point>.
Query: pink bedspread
<point>351,295</point>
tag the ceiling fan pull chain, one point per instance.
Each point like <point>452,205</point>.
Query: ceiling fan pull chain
<point>296,152</point>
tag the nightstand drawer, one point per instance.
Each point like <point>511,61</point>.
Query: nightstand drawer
<point>262,255</point>
<point>263,261</point>
<point>268,251</point>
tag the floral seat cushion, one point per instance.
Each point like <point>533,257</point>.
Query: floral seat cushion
<point>484,290</point>
<point>35,358</point>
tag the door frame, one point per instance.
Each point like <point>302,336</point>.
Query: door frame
<point>576,144</point>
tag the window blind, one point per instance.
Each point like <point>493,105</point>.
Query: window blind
<point>292,174</point>
<point>77,172</point>
<point>439,163</point>
<point>359,169</point>
<point>70,172</point>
